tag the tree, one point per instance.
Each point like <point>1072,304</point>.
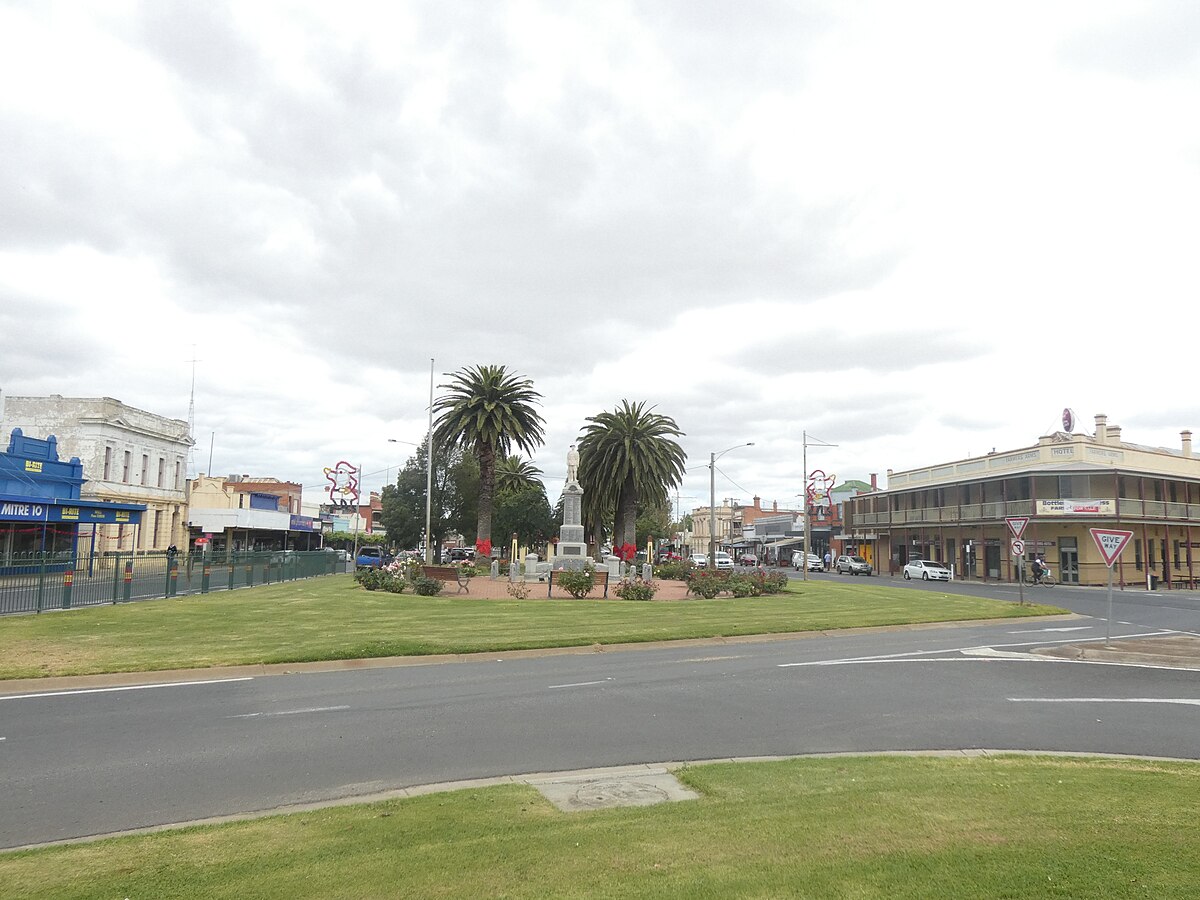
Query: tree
<point>455,497</point>
<point>525,511</point>
<point>626,455</point>
<point>485,411</point>
<point>653,521</point>
<point>515,474</point>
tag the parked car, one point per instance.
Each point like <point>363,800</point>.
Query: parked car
<point>814,561</point>
<point>747,559</point>
<point>460,554</point>
<point>371,558</point>
<point>852,565</point>
<point>926,570</point>
<point>699,560</point>
<point>665,556</point>
<point>724,560</point>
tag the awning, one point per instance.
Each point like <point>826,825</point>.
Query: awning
<point>786,542</point>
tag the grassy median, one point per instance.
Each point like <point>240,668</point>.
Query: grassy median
<point>869,827</point>
<point>332,618</point>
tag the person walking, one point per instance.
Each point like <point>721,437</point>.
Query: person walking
<point>828,560</point>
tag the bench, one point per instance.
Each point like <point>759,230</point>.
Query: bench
<point>599,579</point>
<point>448,574</point>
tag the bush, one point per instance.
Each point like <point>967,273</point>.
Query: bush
<point>743,586</point>
<point>636,590</point>
<point>427,587</point>
<point>774,582</point>
<point>577,584</point>
<point>706,584</point>
<point>518,590</point>
<point>674,570</point>
<point>468,570</point>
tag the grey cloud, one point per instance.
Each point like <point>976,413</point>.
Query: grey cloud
<point>901,350</point>
<point>1158,39</point>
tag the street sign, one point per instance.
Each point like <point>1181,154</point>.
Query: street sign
<point>1110,542</point>
<point>1016,524</point>
<point>1018,547</point>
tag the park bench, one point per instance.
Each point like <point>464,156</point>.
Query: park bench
<point>448,574</point>
<point>599,579</point>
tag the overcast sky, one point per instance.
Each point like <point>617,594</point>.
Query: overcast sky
<point>914,230</point>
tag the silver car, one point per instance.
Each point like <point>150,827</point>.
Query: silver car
<point>926,570</point>
<point>852,565</point>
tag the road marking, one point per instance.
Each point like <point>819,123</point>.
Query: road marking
<point>696,659</point>
<point>1041,630</point>
<point>579,684</point>
<point>1185,701</point>
<point>288,712</point>
<point>128,687</point>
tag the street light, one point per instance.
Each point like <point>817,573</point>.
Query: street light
<point>816,442</point>
<point>712,502</point>
<point>428,473</point>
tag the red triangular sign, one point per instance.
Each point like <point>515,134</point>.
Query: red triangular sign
<point>1016,524</point>
<point>1110,543</point>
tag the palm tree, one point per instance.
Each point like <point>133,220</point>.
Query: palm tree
<point>627,454</point>
<point>485,411</point>
<point>514,474</point>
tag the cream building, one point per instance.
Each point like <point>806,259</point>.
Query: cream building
<point>128,456</point>
<point>1064,485</point>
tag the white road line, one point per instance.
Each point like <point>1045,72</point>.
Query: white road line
<point>128,687</point>
<point>579,684</point>
<point>288,712</point>
<point>1185,701</point>
<point>1042,630</point>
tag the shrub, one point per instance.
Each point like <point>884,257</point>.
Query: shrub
<point>427,587</point>
<point>368,578</point>
<point>706,584</point>
<point>577,584</point>
<point>518,589</point>
<point>774,582</point>
<point>468,570</point>
<point>743,586</point>
<point>674,570</point>
<point>636,590</point>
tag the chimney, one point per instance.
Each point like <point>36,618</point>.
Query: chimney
<point>757,500</point>
<point>1185,438</point>
<point>1114,434</point>
<point>874,481</point>
<point>774,506</point>
<point>1101,428</point>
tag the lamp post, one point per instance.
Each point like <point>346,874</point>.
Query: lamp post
<point>428,473</point>
<point>712,502</point>
<point>816,442</point>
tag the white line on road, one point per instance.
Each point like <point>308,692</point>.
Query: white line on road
<point>579,684</point>
<point>288,712</point>
<point>1041,630</point>
<point>128,687</point>
<point>1185,701</point>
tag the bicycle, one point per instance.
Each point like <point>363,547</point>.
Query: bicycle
<point>1046,579</point>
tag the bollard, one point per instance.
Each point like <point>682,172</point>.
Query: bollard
<point>173,578</point>
<point>127,591</point>
<point>68,582</point>
<point>205,578</point>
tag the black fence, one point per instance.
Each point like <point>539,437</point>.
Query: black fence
<point>37,582</point>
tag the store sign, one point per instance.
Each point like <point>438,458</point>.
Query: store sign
<point>1076,508</point>
<point>33,465</point>
<point>22,511</point>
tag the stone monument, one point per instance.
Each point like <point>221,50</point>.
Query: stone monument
<point>571,552</point>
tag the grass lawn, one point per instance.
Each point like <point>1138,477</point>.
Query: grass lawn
<point>332,618</point>
<point>868,827</point>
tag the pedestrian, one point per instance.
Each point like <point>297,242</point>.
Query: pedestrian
<point>828,560</point>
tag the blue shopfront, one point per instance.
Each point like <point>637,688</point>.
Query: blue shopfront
<point>41,509</point>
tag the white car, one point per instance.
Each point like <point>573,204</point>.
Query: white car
<point>699,560</point>
<point>926,570</point>
<point>814,561</point>
<point>724,560</point>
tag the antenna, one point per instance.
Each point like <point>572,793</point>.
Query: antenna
<point>191,461</point>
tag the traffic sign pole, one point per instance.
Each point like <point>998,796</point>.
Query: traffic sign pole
<point>1110,542</point>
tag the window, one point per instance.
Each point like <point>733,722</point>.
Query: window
<point>1150,554</point>
<point>125,468</point>
<point>1137,555</point>
<point>176,474</point>
<point>107,463</point>
<point>145,466</point>
<point>162,470</point>
<point>157,526</point>
<point>1175,554</point>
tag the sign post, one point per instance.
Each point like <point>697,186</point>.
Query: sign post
<point>1110,542</point>
<point>1018,553</point>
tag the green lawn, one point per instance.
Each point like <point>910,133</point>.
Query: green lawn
<point>332,618</point>
<point>868,827</point>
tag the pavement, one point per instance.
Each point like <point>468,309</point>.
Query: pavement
<point>1172,651</point>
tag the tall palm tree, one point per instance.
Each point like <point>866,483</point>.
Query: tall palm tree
<point>514,474</point>
<point>486,410</point>
<point>627,454</point>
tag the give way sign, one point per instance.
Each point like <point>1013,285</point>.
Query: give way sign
<point>1110,543</point>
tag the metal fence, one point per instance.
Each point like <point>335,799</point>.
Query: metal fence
<point>32,583</point>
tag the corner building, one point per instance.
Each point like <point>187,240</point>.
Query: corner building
<point>1065,484</point>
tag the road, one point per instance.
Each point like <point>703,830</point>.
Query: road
<point>81,763</point>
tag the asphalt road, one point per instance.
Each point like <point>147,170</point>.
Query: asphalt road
<point>80,763</point>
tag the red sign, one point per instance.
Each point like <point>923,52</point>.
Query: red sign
<point>1016,524</point>
<point>1110,542</point>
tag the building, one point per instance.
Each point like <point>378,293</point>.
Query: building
<point>129,456</point>
<point>41,505</point>
<point>1064,485</point>
<point>238,512</point>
